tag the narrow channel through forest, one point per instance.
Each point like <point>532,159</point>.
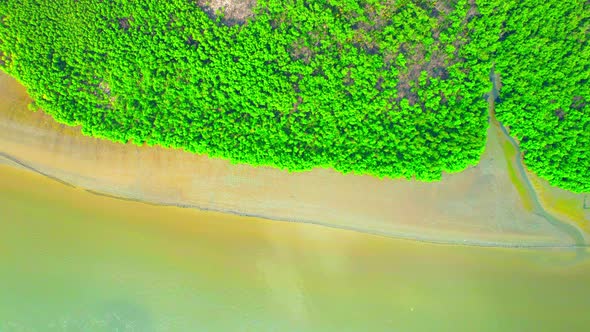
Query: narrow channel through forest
<point>517,161</point>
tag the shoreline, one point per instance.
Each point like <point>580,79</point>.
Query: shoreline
<point>300,221</point>
<point>477,206</point>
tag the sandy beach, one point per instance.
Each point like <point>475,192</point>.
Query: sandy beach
<point>483,205</point>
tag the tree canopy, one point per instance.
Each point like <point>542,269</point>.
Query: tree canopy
<point>544,59</point>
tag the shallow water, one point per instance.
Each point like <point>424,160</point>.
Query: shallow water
<point>74,261</point>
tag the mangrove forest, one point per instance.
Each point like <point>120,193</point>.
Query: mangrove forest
<point>390,88</point>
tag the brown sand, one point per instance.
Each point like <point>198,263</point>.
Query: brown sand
<point>234,11</point>
<point>480,206</point>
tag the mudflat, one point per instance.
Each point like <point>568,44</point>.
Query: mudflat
<point>484,205</point>
<point>74,261</point>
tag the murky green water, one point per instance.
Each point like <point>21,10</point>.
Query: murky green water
<point>73,261</point>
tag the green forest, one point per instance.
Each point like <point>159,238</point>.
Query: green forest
<point>387,88</point>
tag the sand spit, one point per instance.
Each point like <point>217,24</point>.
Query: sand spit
<point>481,206</point>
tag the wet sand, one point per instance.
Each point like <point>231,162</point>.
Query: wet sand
<point>484,205</point>
<point>73,261</point>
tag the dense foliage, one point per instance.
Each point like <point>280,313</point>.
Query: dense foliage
<point>389,88</point>
<point>544,60</point>
<point>362,86</point>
